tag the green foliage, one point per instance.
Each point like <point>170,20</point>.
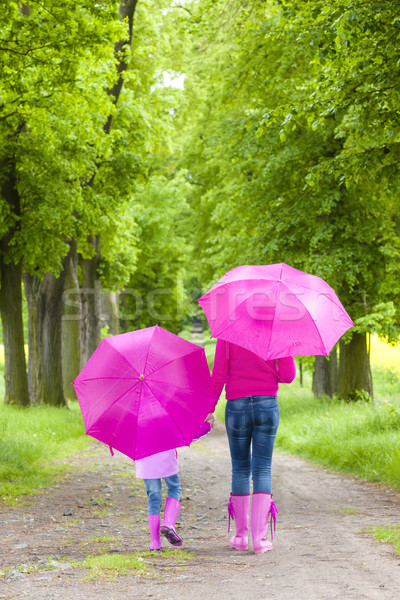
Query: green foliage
<point>287,148</point>
<point>155,294</point>
<point>359,395</point>
<point>379,321</point>
<point>57,63</point>
<point>387,382</point>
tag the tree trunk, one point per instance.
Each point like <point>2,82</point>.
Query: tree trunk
<point>325,376</point>
<point>16,379</point>
<point>45,310</point>
<point>354,367</point>
<point>91,305</point>
<point>71,348</point>
<point>15,375</point>
<point>126,11</point>
<point>110,312</point>
<point>300,372</point>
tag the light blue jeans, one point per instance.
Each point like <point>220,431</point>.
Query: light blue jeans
<point>154,492</point>
<point>251,424</point>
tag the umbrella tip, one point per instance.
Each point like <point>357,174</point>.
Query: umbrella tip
<point>141,376</point>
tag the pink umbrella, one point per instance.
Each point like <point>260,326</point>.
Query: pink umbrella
<point>145,391</point>
<point>275,311</point>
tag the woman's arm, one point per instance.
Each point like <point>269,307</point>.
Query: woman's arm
<point>220,369</point>
<point>286,369</point>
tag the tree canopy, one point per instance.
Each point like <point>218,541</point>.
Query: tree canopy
<point>281,146</point>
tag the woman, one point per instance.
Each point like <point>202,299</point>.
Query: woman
<point>251,419</point>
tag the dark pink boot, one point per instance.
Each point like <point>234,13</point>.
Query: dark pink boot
<point>171,511</point>
<point>154,525</point>
<point>262,507</point>
<point>238,509</point>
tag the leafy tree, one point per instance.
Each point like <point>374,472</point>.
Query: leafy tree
<point>56,63</point>
<point>156,294</point>
<point>270,162</point>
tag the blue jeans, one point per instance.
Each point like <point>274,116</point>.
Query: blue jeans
<point>251,424</point>
<point>154,492</point>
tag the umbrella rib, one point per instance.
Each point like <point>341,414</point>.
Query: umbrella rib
<point>131,366</point>
<point>148,349</point>
<point>315,327</point>
<point>180,387</point>
<point>123,377</point>
<point>240,304</point>
<point>163,407</point>
<point>332,298</point>
<point>287,285</point>
<point>111,405</point>
<point>137,419</point>
<point>175,358</point>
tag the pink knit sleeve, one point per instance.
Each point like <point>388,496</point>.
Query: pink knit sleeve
<point>286,370</point>
<point>220,368</point>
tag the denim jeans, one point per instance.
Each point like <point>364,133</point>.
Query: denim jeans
<point>251,424</point>
<point>154,492</point>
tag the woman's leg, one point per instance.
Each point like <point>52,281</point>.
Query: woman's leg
<point>238,424</point>
<point>266,422</point>
<point>239,428</point>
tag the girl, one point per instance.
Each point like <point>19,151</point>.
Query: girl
<point>164,465</point>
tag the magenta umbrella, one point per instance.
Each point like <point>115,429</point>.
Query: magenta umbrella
<point>145,391</point>
<point>275,311</point>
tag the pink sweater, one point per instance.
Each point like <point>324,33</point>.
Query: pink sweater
<point>245,374</point>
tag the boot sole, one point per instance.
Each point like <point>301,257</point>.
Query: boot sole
<point>171,535</point>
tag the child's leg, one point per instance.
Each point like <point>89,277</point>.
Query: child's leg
<point>153,489</point>
<point>172,508</point>
<point>173,486</point>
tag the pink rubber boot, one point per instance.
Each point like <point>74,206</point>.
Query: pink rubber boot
<point>238,509</point>
<point>154,525</point>
<point>171,511</point>
<point>262,506</point>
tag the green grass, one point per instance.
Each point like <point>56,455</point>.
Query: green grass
<point>33,442</point>
<point>110,566</point>
<point>388,535</point>
<point>209,348</point>
<point>359,438</point>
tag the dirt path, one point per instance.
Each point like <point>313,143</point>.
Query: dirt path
<point>321,548</point>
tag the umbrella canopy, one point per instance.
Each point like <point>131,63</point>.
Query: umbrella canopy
<point>145,391</point>
<point>275,311</point>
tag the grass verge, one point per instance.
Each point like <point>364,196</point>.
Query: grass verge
<point>33,442</point>
<point>111,565</point>
<point>359,438</point>
<point>388,535</point>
